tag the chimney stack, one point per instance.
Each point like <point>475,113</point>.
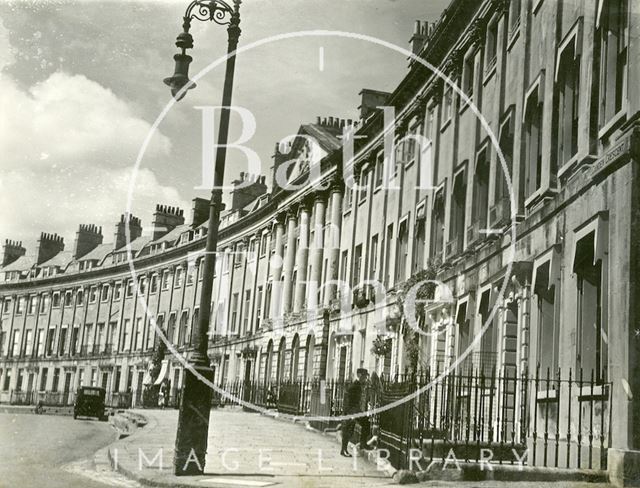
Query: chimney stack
<point>135,230</point>
<point>165,219</point>
<point>88,237</point>
<point>48,246</point>
<point>279,157</point>
<point>199,211</point>
<point>12,250</point>
<point>370,100</point>
<point>246,190</point>
<point>419,37</point>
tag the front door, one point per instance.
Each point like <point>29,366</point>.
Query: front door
<point>139,389</point>
<point>30,381</point>
<point>247,381</point>
<point>67,388</point>
<point>342,364</point>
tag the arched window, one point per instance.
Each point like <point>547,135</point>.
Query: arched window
<point>308,363</point>
<point>268,369</point>
<point>295,356</point>
<point>281,359</point>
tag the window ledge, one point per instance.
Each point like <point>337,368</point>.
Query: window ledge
<point>547,396</point>
<point>531,203</point>
<point>464,105</point>
<point>586,393</point>
<point>536,6</point>
<point>490,70</point>
<point>514,34</point>
<point>616,121</point>
<point>575,163</point>
<point>445,124</point>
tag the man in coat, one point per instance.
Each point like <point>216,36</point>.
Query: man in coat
<point>353,404</point>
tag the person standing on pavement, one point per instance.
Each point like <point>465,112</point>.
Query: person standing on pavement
<point>353,400</point>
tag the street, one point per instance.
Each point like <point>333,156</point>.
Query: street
<point>49,451</point>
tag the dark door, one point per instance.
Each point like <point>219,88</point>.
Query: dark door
<point>67,387</point>
<point>342,364</point>
<point>30,381</point>
<point>246,394</point>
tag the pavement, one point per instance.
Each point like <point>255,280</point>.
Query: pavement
<point>245,449</point>
<point>249,449</point>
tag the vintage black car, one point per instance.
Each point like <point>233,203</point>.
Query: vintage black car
<point>90,403</point>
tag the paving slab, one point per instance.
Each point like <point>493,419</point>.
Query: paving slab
<point>245,449</point>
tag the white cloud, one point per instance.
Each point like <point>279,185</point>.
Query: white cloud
<point>67,148</point>
<point>30,204</point>
<point>74,120</point>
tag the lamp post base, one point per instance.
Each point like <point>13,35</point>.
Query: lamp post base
<point>193,422</point>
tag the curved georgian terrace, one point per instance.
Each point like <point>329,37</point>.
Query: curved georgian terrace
<point>311,283</point>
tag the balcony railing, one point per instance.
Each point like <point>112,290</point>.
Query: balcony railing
<point>473,234</point>
<point>499,213</point>
<point>452,249</point>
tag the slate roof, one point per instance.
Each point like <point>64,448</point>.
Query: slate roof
<point>23,263</point>
<point>136,245</point>
<point>98,254</point>
<point>172,235</point>
<point>61,260</point>
<point>327,136</point>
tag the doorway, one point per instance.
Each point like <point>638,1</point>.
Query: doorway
<point>67,387</point>
<point>246,394</point>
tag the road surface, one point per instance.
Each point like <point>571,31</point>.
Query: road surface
<point>51,451</point>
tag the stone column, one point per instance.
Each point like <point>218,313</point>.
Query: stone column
<point>289,258</point>
<point>256,267</point>
<point>302,256</point>
<point>277,234</point>
<point>243,313</point>
<point>333,245</point>
<point>318,249</point>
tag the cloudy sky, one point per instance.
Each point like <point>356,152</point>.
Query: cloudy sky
<point>81,86</point>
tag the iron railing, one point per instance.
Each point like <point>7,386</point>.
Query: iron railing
<point>550,419</point>
<point>55,398</point>
<point>119,399</point>
<point>17,397</point>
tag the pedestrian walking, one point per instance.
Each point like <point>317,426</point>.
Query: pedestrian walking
<point>353,404</point>
<point>161,392</point>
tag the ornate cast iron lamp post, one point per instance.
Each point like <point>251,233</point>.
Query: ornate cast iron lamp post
<point>195,403</point>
